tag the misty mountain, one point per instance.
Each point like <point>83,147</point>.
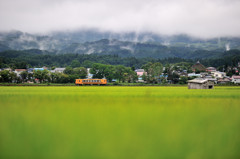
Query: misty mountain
<point>17,40</point>
<point>139,50</point>
<point>122,44</point>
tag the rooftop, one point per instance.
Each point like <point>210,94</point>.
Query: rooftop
<point>198,80</point>
<point>139,70</point>
<point>19,70</point>
<point>236,77</point>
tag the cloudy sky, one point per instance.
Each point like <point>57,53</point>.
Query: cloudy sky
<point>201,18</point>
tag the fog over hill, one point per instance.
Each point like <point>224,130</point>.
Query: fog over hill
<point>122,44</point>
<point>60,41</point>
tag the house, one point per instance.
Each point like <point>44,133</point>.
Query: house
<point>59,70</point>
<point>38,69</point>
<point>223,80</point>
<point>30,70</point>
<point>8,69</point>
<point>236,79</point>
<point>140,73</point>
<point>218,74</point>
<point>89,75</point>
<point>200,83</point>
<point>19,71</point>
<point>194,75</point>
<point>209,78</point>
<point>45,68</point>
<point>211,69</point>
<point>198,67</point>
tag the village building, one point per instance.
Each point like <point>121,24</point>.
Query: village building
<point>198,67</point>
<point>30,70</point>
<point>19,71</point>
<point>58,70</point>
<point>200,83</point>
<point>38,69</point>
<point>223,80</point>
<point>8,69</point>
<point>194,75</point>
<point>211,69</point>
<point>218,74</point>
<point>236,79</point>
<point>89,75</point>
<point>45,68</point>
<point>209,78</point>
<point>140,73</point>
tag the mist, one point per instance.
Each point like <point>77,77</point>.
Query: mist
<point>203,19</point>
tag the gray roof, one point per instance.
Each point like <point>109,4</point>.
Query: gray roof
<point>59,69</point>
<point>139,70</point>
<point>198,80</point>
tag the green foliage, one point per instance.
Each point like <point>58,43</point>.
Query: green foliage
<point>4,76</point>
<point>42,75</point>
<point>24,76</point>
<point>75,63</point>
<point>81,72</point>
<point>68,70</point>
<point>154,70</point>
<point>183,80</point>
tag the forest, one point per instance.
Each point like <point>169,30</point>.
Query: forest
<point>37,58</point>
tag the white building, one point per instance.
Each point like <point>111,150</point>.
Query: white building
<point>19,71</point>
<point>59,70</point>
<point>89,75</point>
<point>194,75</point>
<point>218,74</point>
<point>236,79</point>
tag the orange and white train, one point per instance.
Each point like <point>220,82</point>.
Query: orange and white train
<point>79,82</point>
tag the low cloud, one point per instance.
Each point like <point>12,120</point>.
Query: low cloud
<point>205,18</point>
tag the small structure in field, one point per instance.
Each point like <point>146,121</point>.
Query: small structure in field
<point>200,83</point>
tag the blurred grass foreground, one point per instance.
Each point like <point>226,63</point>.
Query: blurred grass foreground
<point>119,122</point>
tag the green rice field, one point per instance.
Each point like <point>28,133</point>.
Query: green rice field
<point>119,123</point>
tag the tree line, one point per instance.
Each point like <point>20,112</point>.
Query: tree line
<point>28,59</point>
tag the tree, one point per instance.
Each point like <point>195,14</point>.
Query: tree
<point>24,76</point>
<point>81,72</point>
<point>109,72</point>
<point>154,70</point>
<point>87,64</point>
<point>13,77</point>
<point>68,70</point>
<point>75,63</point>
<point>42,75</point>
<point>175,77</point>
<point>157,70</point>
<point>183,80</point>
<point>98,70</point>
<point>130,75</point>
<point>119,73</point>
<point>4,76</point>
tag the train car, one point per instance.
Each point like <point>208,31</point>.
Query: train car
<point>90,82</point>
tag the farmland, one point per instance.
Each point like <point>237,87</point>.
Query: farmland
<point>119,122</point>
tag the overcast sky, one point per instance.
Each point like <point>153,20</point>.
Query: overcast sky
<point>202,18</point>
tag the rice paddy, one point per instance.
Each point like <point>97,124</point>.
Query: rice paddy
<point>119,122</point>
